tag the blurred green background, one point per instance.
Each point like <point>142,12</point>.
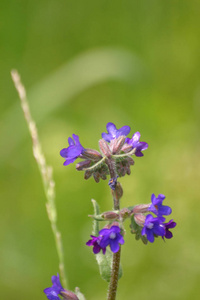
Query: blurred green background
<point>86,63</point>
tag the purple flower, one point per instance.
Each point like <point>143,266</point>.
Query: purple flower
<point>170,224</point>
<point>135,143</point>
<point>73,151</point>
<point>53,292</point>
<point>157,208</point>
<point>112,237</point>
<point>153,227</point>
<point>113,132</point>
<point>95,241</point>
<point>112,183</point>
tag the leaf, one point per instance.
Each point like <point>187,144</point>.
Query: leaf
<point>79,294</point>
<point>105,264</point>
<point>95,222</point>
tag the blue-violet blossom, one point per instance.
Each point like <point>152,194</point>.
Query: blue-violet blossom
<point>170,224</point>
<point>157,208</point>
<point>153,227</point>
<point>135,143</point>
<point>112,237</point>
<point>113,132</point>
<point>53,292</point>
<point>95,241</point>
<point>72,152</point>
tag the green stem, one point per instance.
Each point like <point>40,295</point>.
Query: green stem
<point>116,256</point>
<point>126,154</point>
<point>114,276</point>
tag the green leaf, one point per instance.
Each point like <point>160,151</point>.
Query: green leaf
<point>79,294</point>
<point>105,264</point>
<point>95,222</point>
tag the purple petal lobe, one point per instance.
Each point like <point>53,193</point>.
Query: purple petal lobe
<point>63,152</point>
<point>71,142</point>
<point>69,161</point>
<point>124,130</point>
<point>111,128</point>
<point>114,246</point>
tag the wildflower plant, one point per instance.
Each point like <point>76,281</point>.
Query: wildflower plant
<point>114,160</point>
<point>147,221</point>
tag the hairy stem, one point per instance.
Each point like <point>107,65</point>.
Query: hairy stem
<point>45,171</point>
<point>114,276</point>
<point>116,194</point>
<point>112,167</point>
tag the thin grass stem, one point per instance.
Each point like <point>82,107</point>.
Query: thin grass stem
<point>46,174</point>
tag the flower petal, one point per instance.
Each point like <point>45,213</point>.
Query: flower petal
<point>69,161</point>
<point>150,236</point>
<point>124,130</point>
<point>135,138</point>
<point>114,246</point>
<point>64,152</point>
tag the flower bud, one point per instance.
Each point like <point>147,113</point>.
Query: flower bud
<point>83,164</point>
<point>91,154</point>
<point>68,295</point>
<point>110,215</point>
<point>113,224</point>
<point>96,176</point>
<point>118,192</point>
<point>105,149</point>
<point>126,148</point>
<point>139,209</point>
<point>87,174</point>
<point>139,219</point>
<point>123,166</point>
<point>117,144</point>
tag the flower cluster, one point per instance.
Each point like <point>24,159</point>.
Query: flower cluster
<point>116,148</point>
<point>57,289</point>
<point>151,226</point>
<point>107,237</point>
<point>143,224</point>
